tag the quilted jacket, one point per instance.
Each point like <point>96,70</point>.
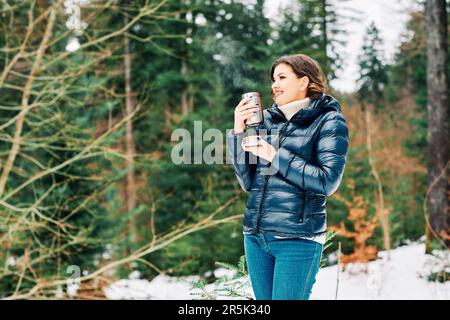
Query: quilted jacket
<point>287,197</point>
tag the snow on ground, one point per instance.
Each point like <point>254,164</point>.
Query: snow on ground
<point>396,278</point>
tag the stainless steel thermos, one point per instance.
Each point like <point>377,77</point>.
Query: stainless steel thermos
<point>257,118</point>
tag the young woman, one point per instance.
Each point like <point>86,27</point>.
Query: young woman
<point>288,181</point>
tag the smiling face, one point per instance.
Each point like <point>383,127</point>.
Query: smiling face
<point>286,86</point>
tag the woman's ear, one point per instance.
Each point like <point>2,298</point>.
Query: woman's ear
<point>304,83</point>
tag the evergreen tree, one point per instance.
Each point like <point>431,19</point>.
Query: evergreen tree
<point>315,28</point>
<point>373,77</point>
<point>218,60</point>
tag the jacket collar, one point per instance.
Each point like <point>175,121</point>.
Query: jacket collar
<point>319,105</point>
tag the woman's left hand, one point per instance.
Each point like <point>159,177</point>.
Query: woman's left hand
<point>263,150</point>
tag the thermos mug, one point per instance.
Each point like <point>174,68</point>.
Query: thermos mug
<point>251,123</point>
<point>257,118</point>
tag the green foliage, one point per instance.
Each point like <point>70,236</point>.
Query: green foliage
<point>437,265</point>
<point>373,78</point>
<point>328,243</point>
<point>237,286</point>
<point>315,28</point>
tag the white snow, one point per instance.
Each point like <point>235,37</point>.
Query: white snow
<point>386,279</point>
<point>160,288</point>
<point>397,278</point>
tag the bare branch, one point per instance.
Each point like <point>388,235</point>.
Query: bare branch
<point>25,99</point>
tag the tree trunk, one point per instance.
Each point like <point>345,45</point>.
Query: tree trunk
<point>324,26</point>
<point>438,150</point>
<point>381,211</point>
<point>325,37</point>
<point>129,140</point>
<point>184,93</point>
<point>186,98</point>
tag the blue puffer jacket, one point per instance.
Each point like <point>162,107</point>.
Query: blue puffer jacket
<point>287,197</point>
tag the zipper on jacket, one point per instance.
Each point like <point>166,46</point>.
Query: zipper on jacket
<point>282,132</point>
<point>266,178</point>
<point>302,213</point>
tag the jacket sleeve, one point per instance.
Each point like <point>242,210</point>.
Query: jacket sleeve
<point>325,175</point>
<point>244,163</point>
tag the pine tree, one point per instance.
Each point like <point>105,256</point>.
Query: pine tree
<point>220,62</point>
<point>313,27</point>
<point>373,77</point>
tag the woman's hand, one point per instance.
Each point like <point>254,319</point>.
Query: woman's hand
<point>263,150</point>
<point>244,110</point>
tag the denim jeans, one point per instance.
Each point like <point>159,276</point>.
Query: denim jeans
<point>281,269</point>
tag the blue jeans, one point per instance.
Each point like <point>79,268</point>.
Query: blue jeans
<point>281,269</point>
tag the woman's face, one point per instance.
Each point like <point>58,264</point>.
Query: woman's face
<point>287,87</point>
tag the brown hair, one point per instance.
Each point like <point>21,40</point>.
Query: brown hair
<point>304,65</point>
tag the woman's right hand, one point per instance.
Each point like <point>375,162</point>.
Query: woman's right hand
<point>244,110</point>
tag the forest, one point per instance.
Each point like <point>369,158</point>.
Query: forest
<point>95,97</point>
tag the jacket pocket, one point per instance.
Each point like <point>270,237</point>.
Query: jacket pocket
<point>302,207</point>
<point>318,204</point>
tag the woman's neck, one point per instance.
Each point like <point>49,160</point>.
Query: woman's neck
<point>291,108</point>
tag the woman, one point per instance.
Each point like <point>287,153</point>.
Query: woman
<point>288,181</point>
